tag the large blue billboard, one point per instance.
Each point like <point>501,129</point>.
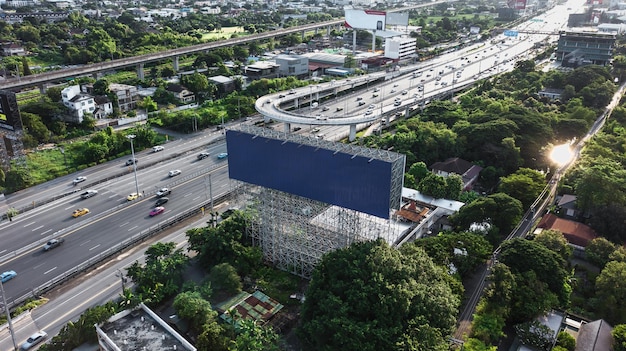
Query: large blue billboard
<point>351,181</point>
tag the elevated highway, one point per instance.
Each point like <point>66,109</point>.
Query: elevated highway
<point>41,79</point>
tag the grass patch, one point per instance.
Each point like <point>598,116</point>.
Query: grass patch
<point>224,33</point>
<point>47,165</point>
<point>278,284</point>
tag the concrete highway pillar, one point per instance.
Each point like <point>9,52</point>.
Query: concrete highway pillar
<point>353,42</point>
<point>302,36</point>
<point>287,127</point>
<point>266,119</point>
<point>374,41</point>
<point>352,135</point>
<point>175,63</point>
<point>328,30</point>
<point>94,76</point>
<point>140,73</point>
<point>316,30</point>
<point>42,88</point>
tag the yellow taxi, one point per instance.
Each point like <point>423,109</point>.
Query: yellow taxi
<point>80,212</point>
<point>133,196</point>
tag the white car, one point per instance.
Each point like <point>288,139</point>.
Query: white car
<point>34,340</point>
<point>79,180</point>
<point>157,148</point>
<point>163,192</point>
<point>174,172</point>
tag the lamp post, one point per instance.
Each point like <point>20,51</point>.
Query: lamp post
<point>132,151</point>
<point>64,157</point>
<point>6,309</point>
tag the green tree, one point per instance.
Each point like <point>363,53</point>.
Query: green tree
<point>195,82</point>
<point>499,209</point>
<point>525,185</point>
<point>225,276</point>
<point>555,241</point>
<point>611,292</point>
<point>433,185</point>
<point>193,307</point>
<point>598,251</point>
<point>566,341</point>
<point>254,337</point>
<point>419,170</point>
<point>619,337</point>
<point>476,345</point>
<point>453,187</point>
<point>535,334</point>
<point>161,275</point>
<point>370,296</point>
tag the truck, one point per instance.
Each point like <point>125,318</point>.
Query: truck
<point>89,193</point>
<point>53,243</point>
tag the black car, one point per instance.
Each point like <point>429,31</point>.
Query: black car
<point>161,201</point>
<point>203,155</point>
<point>131,161</point>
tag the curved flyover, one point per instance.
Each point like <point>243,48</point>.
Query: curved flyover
<point>270,106</point>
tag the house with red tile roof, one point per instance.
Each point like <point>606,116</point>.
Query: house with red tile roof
<point>578,235</point>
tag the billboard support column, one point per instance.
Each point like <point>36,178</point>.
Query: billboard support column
<point>374,41</point>
<point>287,127</point>
<point>354,42</point>
<point>176,63</point>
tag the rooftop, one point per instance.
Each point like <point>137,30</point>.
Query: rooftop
<point>140,329</point>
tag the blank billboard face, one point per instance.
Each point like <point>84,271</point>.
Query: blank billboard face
<point>337,178</point>
<point>365,19</point>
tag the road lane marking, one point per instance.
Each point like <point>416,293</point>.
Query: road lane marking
<point>50,270</point>
<point>123,224</point>
<point>94,247</point>
<point>46,232</point>
<point>195,198</point>
<point>39,265</point>
<point>135,227</point>
<point>86,242</point>
<point>31,223</point>
<point>188,194</point>
<point>41,226</point>
<point>114,195</point>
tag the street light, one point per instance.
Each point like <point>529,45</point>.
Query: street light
<point>132,151</point>
<point>6,309</point>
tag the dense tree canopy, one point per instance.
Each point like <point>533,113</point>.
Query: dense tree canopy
<point>370,296</point>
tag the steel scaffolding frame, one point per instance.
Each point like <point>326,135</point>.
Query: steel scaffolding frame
<point>294,232</point>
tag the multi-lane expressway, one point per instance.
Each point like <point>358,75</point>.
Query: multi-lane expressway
<point>111,220</point>
<point>356,102</point>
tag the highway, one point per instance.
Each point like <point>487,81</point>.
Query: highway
<point>112,219</point>
<point>359,102</point>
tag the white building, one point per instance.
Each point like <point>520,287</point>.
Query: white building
<point>78,102</point>
<point>292,65</point>
<point>400,48</point>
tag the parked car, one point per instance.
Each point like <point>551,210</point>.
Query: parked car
<point>157,210</point>
<point>162,200</point>
<point>34,340</point>
<point>157,148</point>
<point>223,155</point>
<point>131,162</point>
<point>79,180</point>
<point>8,275</point>
<point>80,212</point>
<point>203,155</point>
<point>163,192</point>
<point>53,243</point>
<point>89,193</point>
<point>174,172</point>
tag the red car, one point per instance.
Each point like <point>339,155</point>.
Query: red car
<point>155,211</point>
